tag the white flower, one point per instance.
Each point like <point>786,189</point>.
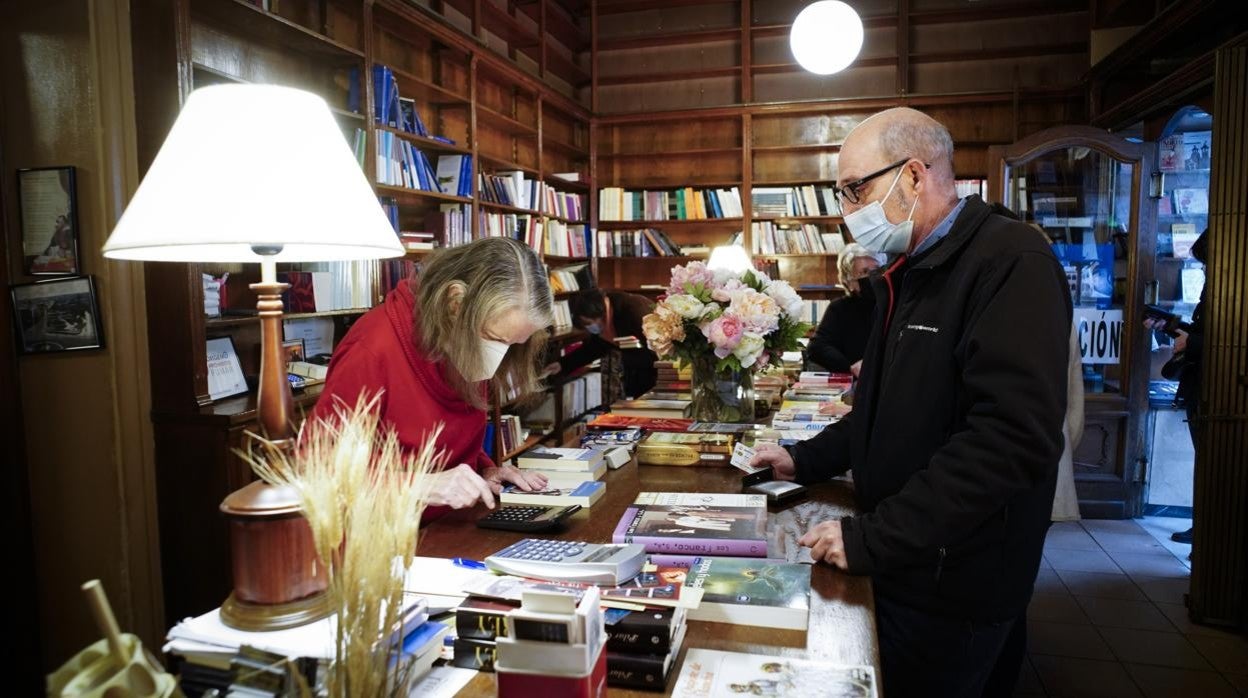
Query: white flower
<point>749,348</point>
<point>685,306</point>
<point>785,297</point>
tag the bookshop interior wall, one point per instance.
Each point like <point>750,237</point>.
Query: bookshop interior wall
<point>618,138</point>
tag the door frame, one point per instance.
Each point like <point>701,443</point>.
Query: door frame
<point>1120,495</point>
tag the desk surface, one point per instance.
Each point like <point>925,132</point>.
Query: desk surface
<point>842,614</point>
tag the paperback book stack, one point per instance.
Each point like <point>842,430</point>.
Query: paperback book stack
<point>642,646</point>
<point>653,407</point>
<point>565,467</point>
<point>553,646</point>
<point>670,377</point>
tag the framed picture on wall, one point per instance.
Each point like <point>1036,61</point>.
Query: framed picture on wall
<point>48,207</point>
<point>57,315</point>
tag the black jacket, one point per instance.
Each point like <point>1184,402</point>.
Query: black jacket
<point>956,430</point>
<point>842,334</point>
<point>627,311</point>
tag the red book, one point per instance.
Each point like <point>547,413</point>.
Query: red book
<point>617,421</point>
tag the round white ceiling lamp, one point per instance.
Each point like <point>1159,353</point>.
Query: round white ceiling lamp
<point>826,37</point>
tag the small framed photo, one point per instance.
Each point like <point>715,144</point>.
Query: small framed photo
<point>225,373</point>
<point>293,350</point>
<point>48,207</point>
<point>57,315</point>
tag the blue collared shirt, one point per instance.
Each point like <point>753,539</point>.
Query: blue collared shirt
<point>940,231</point>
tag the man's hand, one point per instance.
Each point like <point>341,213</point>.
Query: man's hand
<point>826,544</point>
<point>775,457</point>
<point>459,488</point>
<point>856,368</point>
<point>524,480</point>
<point>1180,342</point>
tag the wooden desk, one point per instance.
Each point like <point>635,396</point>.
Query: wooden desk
<point>842,613</point>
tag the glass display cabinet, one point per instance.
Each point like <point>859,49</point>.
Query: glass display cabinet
<point>1085,190</point>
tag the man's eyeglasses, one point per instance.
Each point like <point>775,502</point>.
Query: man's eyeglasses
<point>851,192</point>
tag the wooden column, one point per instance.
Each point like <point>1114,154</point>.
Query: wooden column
<point>1219,593</point>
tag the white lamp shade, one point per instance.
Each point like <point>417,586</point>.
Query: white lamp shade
<point>729,258</point>
<point>826,37</point>
<point>249,166</point>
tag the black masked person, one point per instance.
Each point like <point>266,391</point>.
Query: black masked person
<point>434,349</point>
<point>956,431</point>
<point>842,333</point>
<point>608,316</point>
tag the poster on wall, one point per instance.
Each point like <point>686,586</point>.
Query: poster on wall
<point>49,220</point>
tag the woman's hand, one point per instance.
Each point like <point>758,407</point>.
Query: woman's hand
<point>775,457</point>
<point>459,488</point>
<point>526,481</point>
<point>1180,342</point>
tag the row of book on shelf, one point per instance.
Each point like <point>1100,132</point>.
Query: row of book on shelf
<point>770,238</point>
<point>545,235</point>
<point>516,188</point>
<point>644,242</point>
<point>619,204</point>
<point>571,278</point>
<point>803,200</point>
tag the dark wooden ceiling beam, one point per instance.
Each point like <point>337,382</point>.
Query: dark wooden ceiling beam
<point>669,39</point>
<point>615,7</point>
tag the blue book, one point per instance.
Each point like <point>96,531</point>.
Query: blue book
<point>584,494</point>
<point>381,93</point>
<point>353,90</point>
<point>424,639</point>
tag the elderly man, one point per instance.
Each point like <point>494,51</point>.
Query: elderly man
<point>956,431</point>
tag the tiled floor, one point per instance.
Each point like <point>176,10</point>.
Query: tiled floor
<point>1108,619</point>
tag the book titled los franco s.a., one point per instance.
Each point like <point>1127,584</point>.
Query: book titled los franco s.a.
<point>747,591</point>
<point>712,674</point>
<point>696,524</point>
<point>670,448</point>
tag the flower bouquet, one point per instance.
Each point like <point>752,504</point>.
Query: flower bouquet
<point>727,325</point>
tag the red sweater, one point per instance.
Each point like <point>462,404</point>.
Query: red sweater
<point>381,351</point>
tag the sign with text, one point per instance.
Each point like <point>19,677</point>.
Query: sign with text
<point>1100,335</point>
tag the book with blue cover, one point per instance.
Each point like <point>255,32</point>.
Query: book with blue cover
<point>584,494</point>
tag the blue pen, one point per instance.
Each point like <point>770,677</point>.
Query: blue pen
<point>470,564</point>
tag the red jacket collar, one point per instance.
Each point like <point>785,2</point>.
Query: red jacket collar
<point>400,307</point>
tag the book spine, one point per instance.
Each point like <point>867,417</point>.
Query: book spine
<point>633,640</point>
<point>635,671</point>
<point>475,654</point>
<point>475,624</point>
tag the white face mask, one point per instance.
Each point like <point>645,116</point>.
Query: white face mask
<point>492,354</point>
<point>593,328</point>
<point>872,229</point>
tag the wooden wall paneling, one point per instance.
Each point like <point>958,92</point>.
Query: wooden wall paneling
<point>1219,592</point>
<point>903,47</point>
<point>746,42</point>
<point>747,179</point>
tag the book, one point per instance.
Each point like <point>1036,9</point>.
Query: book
<point>692,523</point>
<point>652,631</point>
<point>570,478</point>
<point>652,408</point>
<point>474,654</point>
<point>482,619</point>
<point>584,494</point>
<point>713,673</point>
<point>547,458</point>
<point>671,448</point>
<point>645,671</point>
<point>744,591</point>
<point>620,421</point>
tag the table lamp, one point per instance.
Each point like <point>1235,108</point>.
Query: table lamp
<point>259,173</point>
<point>732,258</point>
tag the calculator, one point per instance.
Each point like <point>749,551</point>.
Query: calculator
<point>569,561</point>
<point>527,518</point>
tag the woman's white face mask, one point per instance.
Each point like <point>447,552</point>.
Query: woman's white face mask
<point>872,229</point>
<point>492,354</point>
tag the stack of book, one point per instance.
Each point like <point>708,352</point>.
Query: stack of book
<point>671,377</point>
<point>584,494</point>
<point>696,524</point>
<point>642,647</point>
<point>212,294</point>
<point>414,242</point>
<point>564,467</point>
<point>479,622</point>
<point>618,421</point>
<point>690,448</point>
<point>653,407</point>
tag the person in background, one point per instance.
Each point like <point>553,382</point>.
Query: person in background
<point>606,317</point>
<point>842,334</point>
<point>956,431</point>
<point>434,350</point>
<point>1185,364</point>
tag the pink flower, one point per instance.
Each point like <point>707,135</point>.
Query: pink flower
<point>724,333</point>
<point>691,275</point>
<point>724,293</point>
<point>757,311</point>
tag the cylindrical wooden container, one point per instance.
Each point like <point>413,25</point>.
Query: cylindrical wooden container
<point>278,580</point>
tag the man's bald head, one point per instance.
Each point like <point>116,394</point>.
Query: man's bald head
<point>901,133</point>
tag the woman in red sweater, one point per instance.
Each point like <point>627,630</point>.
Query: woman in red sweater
<point>435,348</point>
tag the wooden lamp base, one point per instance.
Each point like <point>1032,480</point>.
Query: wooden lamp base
<point>256,617</point>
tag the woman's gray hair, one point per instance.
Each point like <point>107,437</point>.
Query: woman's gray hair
<point>845,263</point>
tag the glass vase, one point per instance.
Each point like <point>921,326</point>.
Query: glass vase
<point>721,396</point>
